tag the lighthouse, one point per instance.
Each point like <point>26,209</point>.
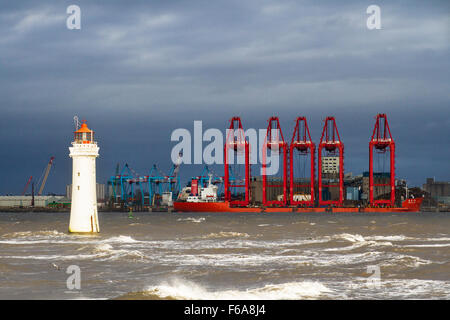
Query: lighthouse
<point>83,212</point>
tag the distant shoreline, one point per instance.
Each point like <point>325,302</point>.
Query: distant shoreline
<point>107,209</point>
<point>46,209</point>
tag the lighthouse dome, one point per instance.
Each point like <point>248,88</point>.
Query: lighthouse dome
<point>84,134</point>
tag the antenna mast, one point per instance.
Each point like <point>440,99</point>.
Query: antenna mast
<point>76,121</point>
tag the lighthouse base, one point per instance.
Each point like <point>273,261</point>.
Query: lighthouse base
<point>82,223</point>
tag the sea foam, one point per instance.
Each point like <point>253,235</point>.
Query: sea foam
<point>188,290</point>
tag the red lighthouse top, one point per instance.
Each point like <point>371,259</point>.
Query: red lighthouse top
<point>84,134</point>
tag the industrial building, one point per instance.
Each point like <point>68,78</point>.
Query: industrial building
<point>379,178</point>
<point>330,164</point>
<point>438,190</point>
<point>26,201</point>
<point>127,188</point>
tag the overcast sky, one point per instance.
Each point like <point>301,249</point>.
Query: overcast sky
<point>137,70</point>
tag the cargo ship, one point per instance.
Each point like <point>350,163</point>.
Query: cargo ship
<point>206,201</point>
<point>409,205</point>
<point>290,193</point>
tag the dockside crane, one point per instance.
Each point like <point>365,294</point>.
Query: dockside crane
<point>382,142</point>
<point>46,172</point>
<point>274,141</point>
<point>26,186</point>
<point>331,143</point>
<point>174,178</point>
<point>236,145</point>
<point>302,144</point>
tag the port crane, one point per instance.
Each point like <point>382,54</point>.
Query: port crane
<point>333,146</point>
<point>382,142</point>
<point>302,143</point>
<point>173,178</point>
<point>26,186</point>
<point>275,142</point>
<point>45,176</point>
<point>236,145</point>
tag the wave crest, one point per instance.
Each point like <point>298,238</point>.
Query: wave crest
<point>226,234</point>
<point>188,290</point>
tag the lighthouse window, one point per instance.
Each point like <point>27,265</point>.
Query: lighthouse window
<point>78,174</point>
<point>78,187</point>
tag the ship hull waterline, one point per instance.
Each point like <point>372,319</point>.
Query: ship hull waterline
<point>410,205</point>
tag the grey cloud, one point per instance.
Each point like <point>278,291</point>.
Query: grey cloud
<point>137,70</point>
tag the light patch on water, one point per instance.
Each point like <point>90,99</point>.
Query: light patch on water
<point>62,238</point>
<point>404,261</point>
<point>416,288</point>
<point>435,245</point>
<point>190,219</point>
<point>33,234</point>
<point>436,239</point>
<point>358,242</point>
<point>120,239</point>
<point>103,252</point>
<point>389,238</point>
<point>226,234</point>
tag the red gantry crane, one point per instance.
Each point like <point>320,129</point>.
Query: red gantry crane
<point>382,141</point>
<point>301,142</point>
<point>333,164</point>
<point>236,141</point>
<point>275,142</point>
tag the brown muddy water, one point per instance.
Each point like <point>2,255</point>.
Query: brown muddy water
<point>227,256</point>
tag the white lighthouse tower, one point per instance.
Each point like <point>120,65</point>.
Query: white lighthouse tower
<point>83,212</point>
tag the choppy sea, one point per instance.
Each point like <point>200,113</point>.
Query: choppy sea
<point>227,256</point>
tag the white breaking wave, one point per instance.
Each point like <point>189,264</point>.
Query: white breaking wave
<point>394,260</point>
<point>56,257</point>
<point>389,238</point>
<point>109,253</point>
<point>436,239</point>
<point>62,238</point>
<point>415,288</point>
<point>408,289</point>
<point>187,290</point>
<point>427,245</point>
<point>45,233</point>
<point>101,252</point>
<point>350,237</point>
<point>120,239</point>
<point>198,220</point>
<point>358,241</point>
<point>226,234</point>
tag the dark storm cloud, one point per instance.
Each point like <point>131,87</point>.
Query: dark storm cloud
<point>139,69</point>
